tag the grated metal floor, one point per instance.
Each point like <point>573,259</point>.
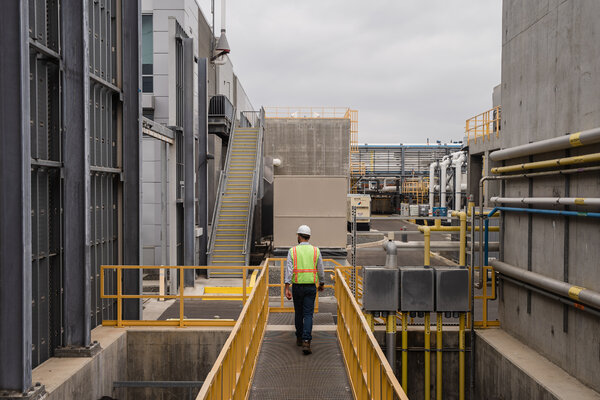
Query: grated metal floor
<point>283,372</point>
<point>288,319</point>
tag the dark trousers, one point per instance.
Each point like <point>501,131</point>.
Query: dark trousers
<point>304,306</point>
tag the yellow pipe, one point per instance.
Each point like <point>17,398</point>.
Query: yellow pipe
<point>427,245</point>
<point>438,223</point>
<point>427,355</point>
<point>438,358</point>
<point>463,239</point>
<point>556,162</point>
<point>455,228</point>
<point>405,352</point>
<point>461,357</point>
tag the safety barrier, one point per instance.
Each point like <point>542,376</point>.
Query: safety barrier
<point>181,322</point>
<point>484,124</point>
<point>281,284</point>
<point>232,372</point>
<point>370,374</point>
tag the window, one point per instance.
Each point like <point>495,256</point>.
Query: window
<point>147,54</point>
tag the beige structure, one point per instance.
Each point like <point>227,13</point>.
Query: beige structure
<point>316,201</point>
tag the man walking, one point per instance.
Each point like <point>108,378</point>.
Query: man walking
<point>303,269</point>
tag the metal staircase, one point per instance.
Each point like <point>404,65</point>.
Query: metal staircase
<point>239,184</point>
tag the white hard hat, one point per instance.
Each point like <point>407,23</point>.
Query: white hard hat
<point>303,230</point>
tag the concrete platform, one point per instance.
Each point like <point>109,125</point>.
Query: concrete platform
<point>508,369</point>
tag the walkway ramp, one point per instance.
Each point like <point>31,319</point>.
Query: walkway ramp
<point>283,372</point>
<point>231,238</point>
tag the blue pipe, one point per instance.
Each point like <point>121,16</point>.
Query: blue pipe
<point>532,211</point>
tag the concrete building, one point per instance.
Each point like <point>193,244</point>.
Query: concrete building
<point>550,84</point>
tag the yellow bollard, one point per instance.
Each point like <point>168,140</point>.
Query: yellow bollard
<point>370,320</point>
<point>461,357</point>
<point>405,352</point>
<point>463,239</point>
<point>427,246</point>
<point>427,354</point>
<point>438,358</point>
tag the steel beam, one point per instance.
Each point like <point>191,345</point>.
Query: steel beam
<point>202,159</point>
<point>15,199</point>
<point>132,133</point>
<point>76,94</point>
<point>189,238</point>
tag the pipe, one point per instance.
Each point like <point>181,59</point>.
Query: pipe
<point>390,340</point>
<point>550,212</point>
<point>427,355</point>
<point>432,168</point>
<point>457,164</point>
<point>223,10</point>
<point>556,162</point>
<point>435,245</point>
<point>438,358</point>
<point>444,176</point>
<point>463,239</point>
<point>426,245</point>
<point>565,289</point>
<point>569,201</point>
<point>405,352</point>
<point>461,357</point>
<point>370,320</point>
<point>391,257</point>
<point>583,138</point>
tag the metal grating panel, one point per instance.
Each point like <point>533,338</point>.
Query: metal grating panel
<point>283,372</point>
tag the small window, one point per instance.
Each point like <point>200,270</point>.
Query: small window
<point>147,54</point>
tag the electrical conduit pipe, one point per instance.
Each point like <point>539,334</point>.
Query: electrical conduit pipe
<point>567,201</point>
<point>556,162</point>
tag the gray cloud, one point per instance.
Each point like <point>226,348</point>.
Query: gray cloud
<point>414,69</point>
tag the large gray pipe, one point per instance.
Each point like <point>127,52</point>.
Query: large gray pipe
<point>544,146</point>
<point>577,293</point>
<point>568,201</point>
<point>391,258</point>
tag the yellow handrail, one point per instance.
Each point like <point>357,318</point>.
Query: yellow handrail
<point>181,321</point>
<point>370,374</point>
<point>232,372</point>
<point>482,125</point>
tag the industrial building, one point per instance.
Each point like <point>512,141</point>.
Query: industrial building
<point>147,208</point>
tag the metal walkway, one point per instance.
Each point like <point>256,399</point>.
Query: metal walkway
<point>283,372</point>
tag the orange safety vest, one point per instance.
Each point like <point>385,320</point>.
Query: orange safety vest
<point>305,263</point>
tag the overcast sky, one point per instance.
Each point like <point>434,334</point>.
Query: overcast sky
<point>414,69</point>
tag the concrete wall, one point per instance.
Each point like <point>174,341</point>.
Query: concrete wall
<point>134,354</point>
<point>550,86</point>
<point>316,201</point>
<point>316,146</point>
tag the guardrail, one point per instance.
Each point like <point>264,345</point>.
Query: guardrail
<point>484,124</point>
<point>307,112</point>
<point>369,371</point>
<point>181,322</point>
<point>231,373</point>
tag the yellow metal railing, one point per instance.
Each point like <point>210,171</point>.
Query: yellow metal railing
<point>232,372</point>
<point>181,296</point>
<point>487,294</point>
<point>281,284</point>
<point>417,187</point>
<point>483,125</point>
<point>370,373</point>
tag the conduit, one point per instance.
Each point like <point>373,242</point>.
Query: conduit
<point>556,162</point>
<point>544,146</point>
<point>565,289</point>
<point>567,201</point>
<point>432,168</point>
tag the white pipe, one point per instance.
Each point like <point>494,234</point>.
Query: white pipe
<point>432,168</point>
<point>457,163</point>
<point>443,172</point>
<point>567,201</point>
<point>223,7</point>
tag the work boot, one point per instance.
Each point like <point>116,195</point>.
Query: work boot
<point>306,347</point>
<point>298,341</point>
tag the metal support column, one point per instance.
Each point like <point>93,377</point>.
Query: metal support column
<point>15,199</point>
<point>189,238</point>
<point>76,172</point>
<point>202,159</point>
<point>132,133</point>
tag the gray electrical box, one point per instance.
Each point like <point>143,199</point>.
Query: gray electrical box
<point>451,289</point>
<point>380,289</point>
<point>417,289</point>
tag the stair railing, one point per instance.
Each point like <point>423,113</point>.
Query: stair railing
<point>221,190</point>
<point>257,118</point>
